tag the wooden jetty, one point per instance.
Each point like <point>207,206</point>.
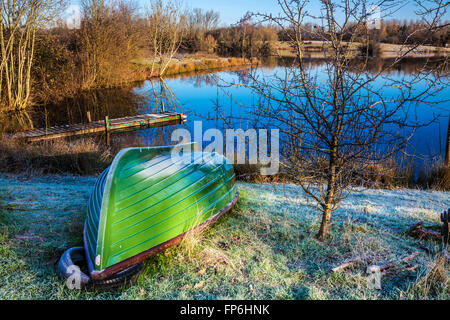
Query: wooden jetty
<point>108,126</point>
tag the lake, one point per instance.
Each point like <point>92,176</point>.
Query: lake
<point>199,95</point>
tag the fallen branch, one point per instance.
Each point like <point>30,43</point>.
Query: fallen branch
<point>389,265</point>
<point>347,264</point>
<point>382,268</point>
<point>412,268</point>
<point>418,231</point>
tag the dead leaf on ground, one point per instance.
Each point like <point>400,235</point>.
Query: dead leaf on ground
<point>201,271</point>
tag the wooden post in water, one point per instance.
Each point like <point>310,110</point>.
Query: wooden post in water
<point>107,130</point>
<point>88,114</point>
<point>447,145</point>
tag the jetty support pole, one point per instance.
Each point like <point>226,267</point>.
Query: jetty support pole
<point>107,130</point>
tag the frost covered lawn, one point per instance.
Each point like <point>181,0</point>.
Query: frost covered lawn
<point>265,248</point>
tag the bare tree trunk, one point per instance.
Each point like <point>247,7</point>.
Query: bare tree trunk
<point>330,196</point>
<point>327,208</point>
<point>325,225</point>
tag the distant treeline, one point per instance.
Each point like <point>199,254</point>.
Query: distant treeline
<point>249,39</point>
<point>246,40</point>
<point>390,31</point>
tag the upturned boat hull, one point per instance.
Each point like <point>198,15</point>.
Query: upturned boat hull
<point>148,199</point>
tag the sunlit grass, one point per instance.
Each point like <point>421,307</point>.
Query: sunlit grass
<point>193,63</point>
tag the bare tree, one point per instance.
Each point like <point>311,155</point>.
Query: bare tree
<point>335,127</point>
<point>19,21</point>
<point>246,25</point>
<point>167,27</point>
<point>109,37</point>
<point>198,25</point>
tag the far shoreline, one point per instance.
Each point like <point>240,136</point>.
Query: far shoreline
<point>317,49</point>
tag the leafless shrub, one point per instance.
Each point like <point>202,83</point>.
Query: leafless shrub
<point>199,23</point>
<point>166,29</point>
<point>109,38</point>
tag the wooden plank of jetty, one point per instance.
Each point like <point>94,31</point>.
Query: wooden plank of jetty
<point>142,121</point>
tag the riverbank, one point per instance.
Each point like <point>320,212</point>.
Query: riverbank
<point>318,49</point>
<point>264,249</point>
<point>148,68</point>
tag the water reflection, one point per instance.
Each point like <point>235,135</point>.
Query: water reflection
<point>115,103</point>
<point>407,66</point>
<point>209,97</point>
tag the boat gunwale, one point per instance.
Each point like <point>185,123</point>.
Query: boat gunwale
<point>111,270</point>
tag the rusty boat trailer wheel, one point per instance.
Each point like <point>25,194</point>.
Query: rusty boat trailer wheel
<point>445,232</point>
<point>74,258</point>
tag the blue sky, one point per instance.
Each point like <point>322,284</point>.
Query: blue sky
<point>231,10</point>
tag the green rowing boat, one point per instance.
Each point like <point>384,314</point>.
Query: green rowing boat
<point>148,199</point>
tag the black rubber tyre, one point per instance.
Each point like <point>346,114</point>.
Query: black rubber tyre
<point>121,280</point>
<point>76,257</point>
<point>70,258</point>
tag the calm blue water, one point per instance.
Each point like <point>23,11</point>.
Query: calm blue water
<point>199,95</point>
